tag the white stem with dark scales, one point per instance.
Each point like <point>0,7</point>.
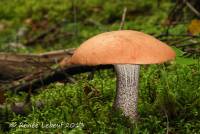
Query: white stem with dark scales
<point>127,89</point>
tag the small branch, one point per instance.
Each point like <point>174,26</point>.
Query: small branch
<point>192,8</point>
<point>167,127</point>
<point>40,36</point>
<point>123,19</point>
<point>178,35</point>
<point>75,18</point>
<point>181,40</point>
<point>18,66</point>
<point>192,50</point>
<point>54,30</point>
<point>91,21</point>
<point>2,96</point>
<point>43,57</point>
<point>57,75</point>
<point>184,45</point>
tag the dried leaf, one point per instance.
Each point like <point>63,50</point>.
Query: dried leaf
<point>194,27</point>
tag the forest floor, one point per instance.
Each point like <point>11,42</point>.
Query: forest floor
<point>169,95</point>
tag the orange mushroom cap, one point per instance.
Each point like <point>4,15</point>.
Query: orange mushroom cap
<point>122,47</point>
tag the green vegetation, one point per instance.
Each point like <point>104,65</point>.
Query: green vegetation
<point>169,97</point>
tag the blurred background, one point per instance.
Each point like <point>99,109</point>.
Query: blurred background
<point>38,26</point>
<point>170,93</point>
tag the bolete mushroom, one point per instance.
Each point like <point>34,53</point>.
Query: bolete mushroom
<point>126,50</point>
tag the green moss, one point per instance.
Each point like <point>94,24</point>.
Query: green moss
<point>168,96</point>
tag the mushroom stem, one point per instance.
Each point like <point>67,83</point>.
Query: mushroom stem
<point>127,89</point>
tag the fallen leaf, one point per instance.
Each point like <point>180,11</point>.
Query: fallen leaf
<point>194,27</point>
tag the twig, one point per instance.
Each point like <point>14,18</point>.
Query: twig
<point>178,35</point>
<point>19,66</point>
<point>43,57</point>
<point>167,121</point>
<point>184,45</point>
<point>41,36</point>
<point>181,40</point>
<point>90,21</point>
<point>57,75</point>
<point>174,15</point>
<point>192,8</point>
<point>75,18</point>
<point>123,18</point>
<point>192,50</point>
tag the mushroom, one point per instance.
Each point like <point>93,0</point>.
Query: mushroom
<point>126,50</point>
